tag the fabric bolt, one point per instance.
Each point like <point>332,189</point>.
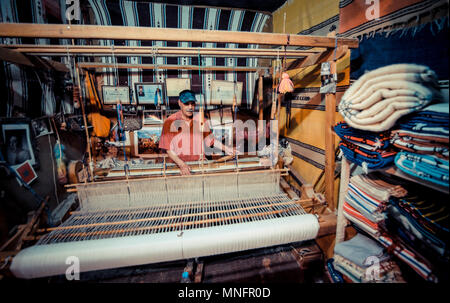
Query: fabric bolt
<point>368,158</point>
<point>365,139</point>
<point>426,167</point>
<point>359,248</point>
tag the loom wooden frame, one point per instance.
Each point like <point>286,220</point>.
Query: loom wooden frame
<point>195,35</point>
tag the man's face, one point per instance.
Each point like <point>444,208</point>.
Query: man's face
<point>13,142</point>
<point>187,108</point>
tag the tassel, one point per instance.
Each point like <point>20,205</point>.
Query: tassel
<point>286,85</point>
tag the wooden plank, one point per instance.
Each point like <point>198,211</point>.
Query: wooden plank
<point>91,50</point>
<point>30,224</point>
<point>260,98</point>
<point>317,58</point>
<point>198,272</point>
<point>341,220</point>
<point>330,111</point>
<point>166,34</point>
<point>168,67</point>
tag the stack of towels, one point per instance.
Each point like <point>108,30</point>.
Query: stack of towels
<point>367,149</point>
<point>388,210</point>
<point>363,260</point>
<point>367,198</point>
<point>380,97</point>
<point>423,138</point>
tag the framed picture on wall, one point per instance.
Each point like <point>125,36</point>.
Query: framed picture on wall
<point>146,141</point>
<point>41,127</point>
<point>19,142</point>
<point>113,94</point>
<point>176,85</point>
<point>221,116</point>
<point>147,93</point>
<point>223,92</point>
<point>150,117</point>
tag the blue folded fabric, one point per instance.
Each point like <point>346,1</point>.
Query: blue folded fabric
<point>367,139</point>
<point>364,157</point>
<point>431,120</point>
<point>359,248</point>
<point>425,167</point>
<point>415,228</point>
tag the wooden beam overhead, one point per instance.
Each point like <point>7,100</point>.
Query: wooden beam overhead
<point>169,67</point>
<point>90,50</point>
<point>166,34</point>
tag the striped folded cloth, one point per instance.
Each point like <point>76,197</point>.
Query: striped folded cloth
<point>365,139</point>
<point>425,167</point>
<point>420,143</point>
<point>424,132</point>
<point>413,260</point>
<point>365,224</point>
<point>427,215</point>
<point>367,158</point>
<point>380,186</point>
<point>414,237</point>
<point>365,204</point>
<point>380,97</point>
<point>431,120</point>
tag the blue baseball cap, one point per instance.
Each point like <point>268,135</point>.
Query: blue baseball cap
<point>187,96</point>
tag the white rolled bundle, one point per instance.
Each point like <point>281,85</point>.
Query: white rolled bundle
<point>380,97</point>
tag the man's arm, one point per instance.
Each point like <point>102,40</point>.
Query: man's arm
<point>184,168</point>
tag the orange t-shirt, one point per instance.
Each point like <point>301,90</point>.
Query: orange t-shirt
<point>185,138</point>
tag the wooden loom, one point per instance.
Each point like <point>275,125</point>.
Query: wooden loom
<point>278,217</point>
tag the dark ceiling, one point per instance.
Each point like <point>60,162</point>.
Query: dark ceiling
<point>257,5</point>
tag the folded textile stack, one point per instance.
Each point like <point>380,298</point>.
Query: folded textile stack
<point>422,223</point>
<point>367,198</point>
<point>366,149</point>
<point>424,132</point>
<point>409,257</point>
<point>363,260</point>
<point>425,167</point>
<point>380,97</point>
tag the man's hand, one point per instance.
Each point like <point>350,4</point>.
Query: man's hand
<point>184,169</point>
<point>229,150</point>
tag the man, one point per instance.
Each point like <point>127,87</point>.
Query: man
<point>14,153</point>
<point>183,137</point>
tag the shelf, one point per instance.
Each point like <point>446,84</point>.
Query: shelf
<point>393,170</point>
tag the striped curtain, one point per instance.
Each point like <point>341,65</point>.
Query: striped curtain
<point>131,13</point>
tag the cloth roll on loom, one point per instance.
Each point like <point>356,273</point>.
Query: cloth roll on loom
<point>160,222</point>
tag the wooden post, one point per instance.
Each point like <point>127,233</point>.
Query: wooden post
<point>341,220</point>
<point>260,98</point>
<point>330,110</point>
